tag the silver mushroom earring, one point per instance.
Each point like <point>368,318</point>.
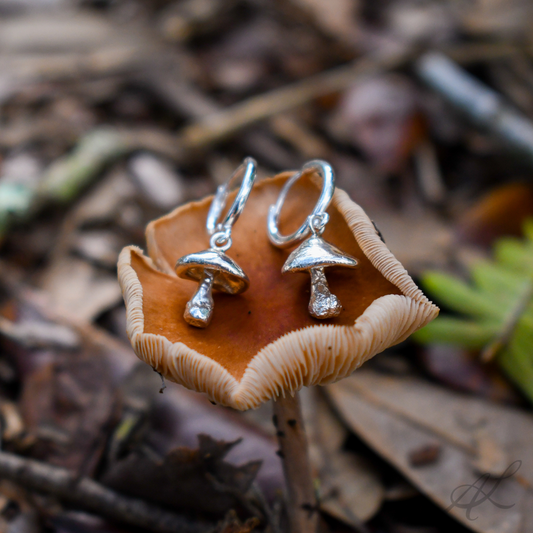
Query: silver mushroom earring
<point>212,268</point>
<point>314,254</point>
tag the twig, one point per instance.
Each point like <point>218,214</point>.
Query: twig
<point>217,126</point>
<point>271,518</point>
<point>89,495</point>
<point>189,101</point>
<point>303,506</point>
<point>477,101</point>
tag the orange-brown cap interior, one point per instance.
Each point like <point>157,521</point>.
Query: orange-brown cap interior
<point>275,304</point>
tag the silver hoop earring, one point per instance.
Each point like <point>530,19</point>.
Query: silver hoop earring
<point>314,254</point>
<point>212,268</point>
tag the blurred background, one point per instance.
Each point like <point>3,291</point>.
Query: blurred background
<point>113,112</point>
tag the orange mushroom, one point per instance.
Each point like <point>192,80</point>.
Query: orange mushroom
<point>263,343</point>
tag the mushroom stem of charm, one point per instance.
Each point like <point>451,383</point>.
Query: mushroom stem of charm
<point>294,453</point>
<point>199,308</point>
<point>322,304</point>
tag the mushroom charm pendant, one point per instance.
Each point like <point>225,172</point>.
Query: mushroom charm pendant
<point>212,268</point>
<point>314,255</point>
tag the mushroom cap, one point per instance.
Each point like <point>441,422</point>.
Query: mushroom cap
<point>264,341</point>
<point>228,276</point>
<point>316,252</point>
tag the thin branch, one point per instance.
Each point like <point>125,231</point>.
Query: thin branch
<point>86,494</point>
<point>219,125</point>
<point>479,103</point>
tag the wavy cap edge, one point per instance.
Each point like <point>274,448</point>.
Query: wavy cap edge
<point>297,358</point>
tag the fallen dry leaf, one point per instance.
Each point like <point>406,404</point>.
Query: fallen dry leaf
<point>397,416</point>
<point>69,405</point>
<point>500,212</point>
<point>462,370</point>
<point>380,115</point>
<point>163,422</point>
<point>192,480</point>
<point>232,524</point>
<point>79,289</point>
<point>418,238</point>
<point>350,487</point>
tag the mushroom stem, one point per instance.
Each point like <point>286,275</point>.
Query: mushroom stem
<point>322,303</point>
<point>199,308</point>
<point>302,502</point>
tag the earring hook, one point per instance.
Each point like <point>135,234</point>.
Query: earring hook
<point>318,214</point>
<point>248,171</point>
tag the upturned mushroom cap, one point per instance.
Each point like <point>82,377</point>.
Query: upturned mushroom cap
<point>264,341</point>
<point>228,276</point>
<point>315,252</point>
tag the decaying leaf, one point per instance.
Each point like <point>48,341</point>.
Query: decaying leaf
<point>350,488</point>
<point>174,419</point>
<point>68,404</point>
<point>380,116</point>
<point>232,524</point>
<point>500,212</point>
<point>79,289</point>
<point>397,416</point>
<point>193,480</point>
<point>462,370</point>
<point>419,240</point>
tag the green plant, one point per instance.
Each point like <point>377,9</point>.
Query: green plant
<point>494,311</point>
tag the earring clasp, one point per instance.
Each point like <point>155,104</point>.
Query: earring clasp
<point>248,170</point>
<point>318,214</point>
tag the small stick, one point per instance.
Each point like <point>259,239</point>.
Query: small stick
<point>303,506</point>
<point>84,493</point>
<point>219,125</point>
<point>483,106</point>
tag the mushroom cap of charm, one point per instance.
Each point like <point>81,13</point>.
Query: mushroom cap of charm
<point>264,342</point>
<point>228,276</point>
<point>315,252</point>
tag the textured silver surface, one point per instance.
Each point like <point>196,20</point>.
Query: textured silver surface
<point>212,269</point>
<point>313,256</point>
<point>228,276</point>
<point>199,309</point>
<point>316,252</point>
<point>322,304</point>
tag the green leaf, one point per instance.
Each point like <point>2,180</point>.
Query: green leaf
<point>459,296</point>
<point>448,330</point>
<point>516,363</point>
<point>494,309</point>
<point>492,278</point>
<point>528,230</point>
<point>515,255</point>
